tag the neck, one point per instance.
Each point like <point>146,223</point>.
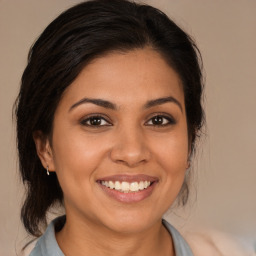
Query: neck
<point>80,238</point>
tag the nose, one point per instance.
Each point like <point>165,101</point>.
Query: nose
<point>130,148</point>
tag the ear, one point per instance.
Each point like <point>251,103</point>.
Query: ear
<point>189,155</point>
<point>44,150</point>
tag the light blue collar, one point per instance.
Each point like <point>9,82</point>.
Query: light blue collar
<point>48,246</point>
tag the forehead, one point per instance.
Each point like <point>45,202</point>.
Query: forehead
<point>126,77</point>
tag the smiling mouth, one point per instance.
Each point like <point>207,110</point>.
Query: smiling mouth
<point>126,187</point>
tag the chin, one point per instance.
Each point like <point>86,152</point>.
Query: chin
<point>130,222</point>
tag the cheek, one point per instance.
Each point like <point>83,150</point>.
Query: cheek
<point>74,148</point>
<point>76,158</point>
<point>171,154</point>
<point>75,162</point>
<point>172,151</point>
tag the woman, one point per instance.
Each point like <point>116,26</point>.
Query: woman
<point>107,118</point>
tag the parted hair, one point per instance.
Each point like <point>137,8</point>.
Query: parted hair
<point>76,37</point>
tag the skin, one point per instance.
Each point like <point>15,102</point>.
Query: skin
<point>125,142</point>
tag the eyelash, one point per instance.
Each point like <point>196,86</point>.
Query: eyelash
<point>167,119</point>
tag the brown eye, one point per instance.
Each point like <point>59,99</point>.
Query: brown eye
<point>157,120</point>
<point>95,121</point>
<point>160,120</point>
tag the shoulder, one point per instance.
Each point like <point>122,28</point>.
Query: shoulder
<point>215,243</point>
<point>28,248</point>
<point>180,244</point>
<point>46,244</point>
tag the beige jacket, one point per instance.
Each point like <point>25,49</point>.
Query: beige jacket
<point>214,243</point>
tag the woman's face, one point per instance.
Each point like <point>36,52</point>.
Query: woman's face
<point>120,144</point>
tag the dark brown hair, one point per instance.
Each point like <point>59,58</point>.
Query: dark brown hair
<point>79,35</point>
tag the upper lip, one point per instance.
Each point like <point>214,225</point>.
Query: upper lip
<point>129,178</point>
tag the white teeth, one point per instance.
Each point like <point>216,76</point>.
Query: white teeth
<point>141,185</point>
<point>117,185</point>
<point>134,186</point>
<point>111,184</point>
<point>125,186</point>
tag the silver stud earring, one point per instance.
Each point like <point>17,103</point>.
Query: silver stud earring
<point>47,170</point>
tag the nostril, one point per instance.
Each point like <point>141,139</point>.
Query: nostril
<point>130,156</point>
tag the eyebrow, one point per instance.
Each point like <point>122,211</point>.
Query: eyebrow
<point>98,102</point>
<point>110,105</point>
<point>164,100</point>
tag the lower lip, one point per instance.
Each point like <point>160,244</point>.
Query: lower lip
<point>131,197</point>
